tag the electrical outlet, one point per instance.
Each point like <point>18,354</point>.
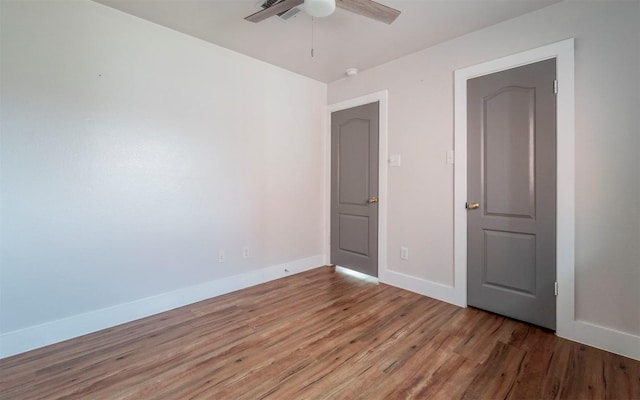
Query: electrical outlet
<point>221,256</point>
<point>245,252</point>
<point>404,253</point>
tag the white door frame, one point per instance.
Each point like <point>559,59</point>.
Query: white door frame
<point>563,52</point>
<point>382,98</point>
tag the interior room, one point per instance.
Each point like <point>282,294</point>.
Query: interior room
<point>175,218</point>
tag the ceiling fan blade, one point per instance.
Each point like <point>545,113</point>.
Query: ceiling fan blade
<point>370,9</point>
<point>277,8</point>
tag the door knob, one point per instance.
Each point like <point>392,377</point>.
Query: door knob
<point>472,206</point>
<point>372,200</point>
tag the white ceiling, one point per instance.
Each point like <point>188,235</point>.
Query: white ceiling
<point>342,40</point>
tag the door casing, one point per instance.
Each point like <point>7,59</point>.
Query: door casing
<point>382,98</point>
<point>563,52</point>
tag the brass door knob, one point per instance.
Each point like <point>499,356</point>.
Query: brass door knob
<point>372,200</point>
<point>472,206</point>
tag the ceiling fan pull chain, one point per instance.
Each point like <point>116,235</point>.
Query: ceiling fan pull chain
<point>312,38</point>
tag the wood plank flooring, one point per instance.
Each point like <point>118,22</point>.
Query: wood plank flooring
<point>320,335</point>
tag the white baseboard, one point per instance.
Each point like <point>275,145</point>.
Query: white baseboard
<point>26,339</point>
<point>33,337</point>
<point>608,339</point>
<point>424,287</point>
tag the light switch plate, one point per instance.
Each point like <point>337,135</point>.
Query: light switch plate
<point>451,157</point>
<point>394,160</point>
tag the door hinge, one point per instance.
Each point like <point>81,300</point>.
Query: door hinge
<point>555,86</point>
<point>555,288</point>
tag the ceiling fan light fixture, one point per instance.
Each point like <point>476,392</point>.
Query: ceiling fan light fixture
<point>320,8</point>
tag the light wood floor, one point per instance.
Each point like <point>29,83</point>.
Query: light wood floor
<point>317,335</point>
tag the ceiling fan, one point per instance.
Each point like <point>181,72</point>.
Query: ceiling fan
<point>324,8</point>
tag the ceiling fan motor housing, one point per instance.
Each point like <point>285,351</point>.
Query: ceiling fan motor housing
<point>320,8</point>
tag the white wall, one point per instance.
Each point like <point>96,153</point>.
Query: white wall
<point>130,154</point>
<point>420,209</point>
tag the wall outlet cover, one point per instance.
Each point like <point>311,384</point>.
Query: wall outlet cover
<point>404,253</point>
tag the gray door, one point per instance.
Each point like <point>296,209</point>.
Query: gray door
<point>511,171</point>
<point>354,188</point>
